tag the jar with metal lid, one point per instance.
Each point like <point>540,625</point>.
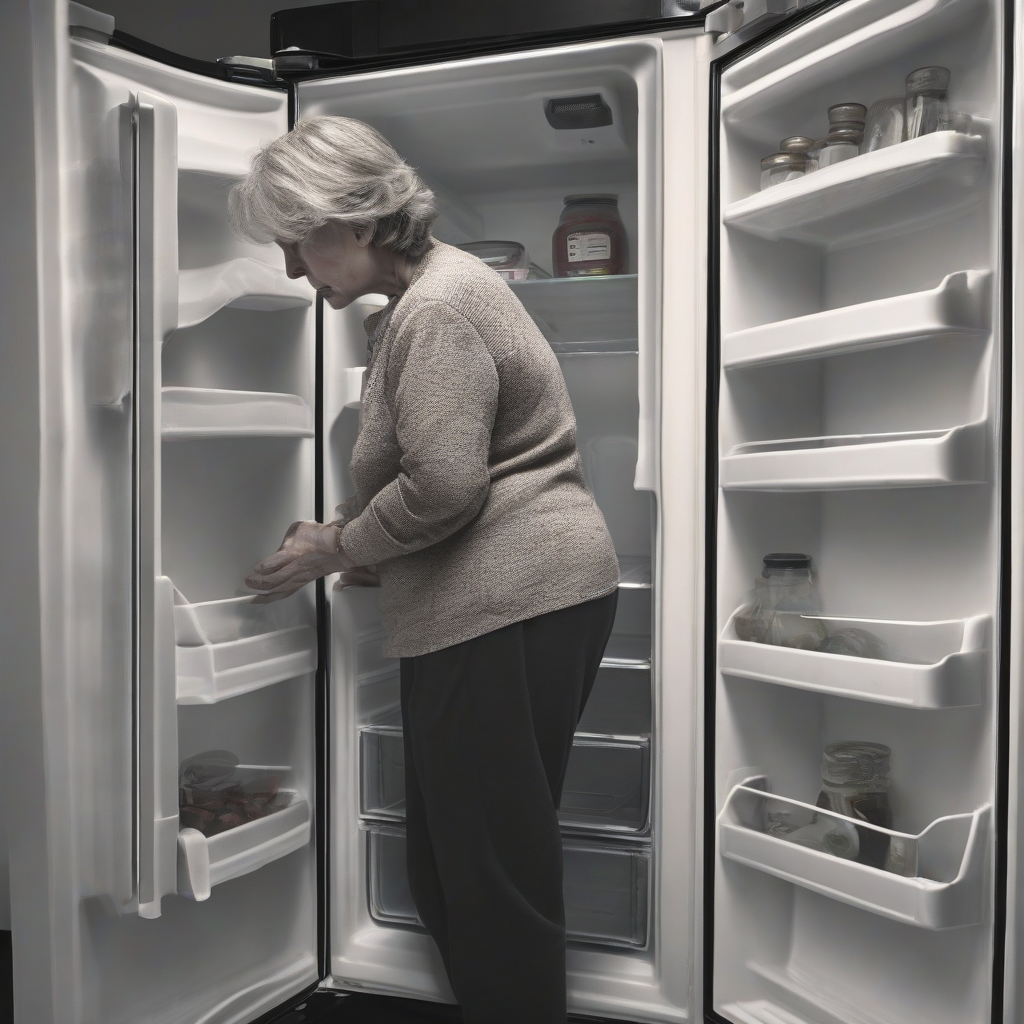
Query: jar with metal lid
<point>796,144</point>
<point>784,605</point>
<point>927,107</point>
<point>780,167</point>
<point>855,783</point>
<point>590,239</point>
<point>845,134</point>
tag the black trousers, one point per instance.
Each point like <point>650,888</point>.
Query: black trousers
<point>488,727</point>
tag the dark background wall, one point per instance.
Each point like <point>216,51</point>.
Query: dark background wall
<point>206,29</point>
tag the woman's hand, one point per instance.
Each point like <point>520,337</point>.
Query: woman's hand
<point>309,550</point>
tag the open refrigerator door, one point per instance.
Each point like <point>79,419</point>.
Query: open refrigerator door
<point>858,655</point>
<point>485,135</point>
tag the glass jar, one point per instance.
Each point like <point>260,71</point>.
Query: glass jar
<point>884,125</point>
<point>796,144</point>
<point>590,240</point>
<point>783,605</point>
<point>855,783</point>
<point>926,105</point>
<point>845,130</point>
<point>780,167</point>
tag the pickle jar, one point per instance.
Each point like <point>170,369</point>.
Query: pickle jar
<point>590,240</point>
<point>927,108</point>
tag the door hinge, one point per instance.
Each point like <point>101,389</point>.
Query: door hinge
<point>249,69</point>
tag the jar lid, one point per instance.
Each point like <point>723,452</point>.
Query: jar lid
<point>847,112</point>
<point>934,79</point>
<point>795,160</point>
<point>787,560</point>
<point>599,199</point>
<point>796,144</point>
<point>854,762</point>
<point>845,134</point>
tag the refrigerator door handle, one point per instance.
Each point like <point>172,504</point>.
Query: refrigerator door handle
<point>156,313</point>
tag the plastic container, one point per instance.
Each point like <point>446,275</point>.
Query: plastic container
<point>510,260</point>
<point>780,167</point>
<point>216,793</point>
<point>782,606</point>
<point>884,124</point>
<point>927,109</point>
<point>590,240</point>
<point>855,783</point>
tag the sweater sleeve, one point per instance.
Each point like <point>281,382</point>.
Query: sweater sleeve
<point>444,406</point>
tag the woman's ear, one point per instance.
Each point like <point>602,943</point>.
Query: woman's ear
<point>363,234</point>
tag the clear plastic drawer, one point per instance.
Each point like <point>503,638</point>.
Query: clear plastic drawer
<point>606,888</point>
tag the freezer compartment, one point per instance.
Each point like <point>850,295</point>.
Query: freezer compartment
<point>606,783</point>
<point>204,862</point>
<point>936,883</point>
<point>923,458</point>
<point>958,306</point>
<point>871,197</point>
<point>606,888</point>
<point>241,283</point>
<point>230,647</point>
<point>924,664</point>
<point>214,412</point>
<point>584,314</point>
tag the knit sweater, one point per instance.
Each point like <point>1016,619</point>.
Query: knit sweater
<point>469,483</point>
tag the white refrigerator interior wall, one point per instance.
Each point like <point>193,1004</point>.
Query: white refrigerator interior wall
<point>892,537</point>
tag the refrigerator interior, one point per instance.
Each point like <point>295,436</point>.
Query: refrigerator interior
<point>477,132</point>
<point>224,438</point>
<point>859,423</point>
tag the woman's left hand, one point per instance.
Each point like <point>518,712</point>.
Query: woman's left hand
<point>309,550</point>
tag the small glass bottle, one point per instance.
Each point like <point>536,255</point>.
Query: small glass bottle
<point>855,783</point>
<point>926,107</point>
<point>780,167</point>
<point>590,240</point>
<point>783,605</point>
<point>845,134</point>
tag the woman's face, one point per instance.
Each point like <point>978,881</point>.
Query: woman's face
<point>338,261</point>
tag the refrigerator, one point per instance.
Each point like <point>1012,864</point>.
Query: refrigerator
<point>824,366</point>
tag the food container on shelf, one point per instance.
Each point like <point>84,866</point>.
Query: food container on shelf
<point>927,109</point>
<point>590,240</point>
<point>510,260</point>
<point>780,167</point>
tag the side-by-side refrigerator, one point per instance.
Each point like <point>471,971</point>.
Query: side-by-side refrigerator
<point>792,796</point>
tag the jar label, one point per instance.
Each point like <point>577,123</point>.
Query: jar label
<point>586,246</point>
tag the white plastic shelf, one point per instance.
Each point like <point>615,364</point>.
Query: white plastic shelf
<point>928,664</point>
<point>957,307</point>
<point>230,647</point>
<point>634,573</point>
<point>627,651</point>
<point>872,196</point>
<point>204,863</point>
<point>209,412</point>
<point>946,892</point>
<point>923,458</point>
<point>241,283</point>
<point>583,314</point>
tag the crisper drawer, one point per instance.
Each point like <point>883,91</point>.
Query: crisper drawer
<point>606,783</point>
<point>606,888</point>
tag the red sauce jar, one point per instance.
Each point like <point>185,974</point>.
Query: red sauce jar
<point>590,239</point>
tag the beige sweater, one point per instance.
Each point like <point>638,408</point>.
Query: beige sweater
<point>468,478</point>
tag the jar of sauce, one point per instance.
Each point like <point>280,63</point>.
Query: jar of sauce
<point>590,240</point>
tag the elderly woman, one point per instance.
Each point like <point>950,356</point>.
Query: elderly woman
<point>497,573</point>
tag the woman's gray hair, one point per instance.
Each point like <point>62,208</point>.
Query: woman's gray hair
<point>333,169</point>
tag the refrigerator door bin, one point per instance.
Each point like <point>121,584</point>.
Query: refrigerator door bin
<point>929,664</point>
<point>583,314</point>
<point>946,892</point>
<point>204,863</point>
<point>957,306</point>
<point>606,783</point>
<point>243,283</point>
<point>212,412</point>
<point>230,647</point>
<point>606,888</point>
<point>923,458</point>
<point>875,195</point>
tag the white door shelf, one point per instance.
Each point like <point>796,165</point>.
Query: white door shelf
<point>230,647</point>
<point>929,664</point>
<point>204,863</point>
<point>946,891</point>
<point>241,283</point>
<point>210,412</point>
<point>956,307</point>
<point>923,458</point>
<point>625,650</point>
<point>583,314</point>
<point>872,196</point>
<point>634,573</point>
